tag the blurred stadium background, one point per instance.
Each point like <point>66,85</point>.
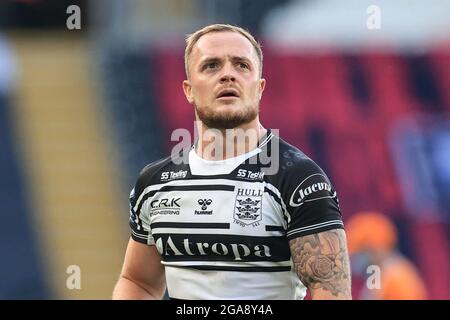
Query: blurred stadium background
<point>82,111</point>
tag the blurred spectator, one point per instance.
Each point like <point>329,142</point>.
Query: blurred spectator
<point>8,68</point>
<point>20,271</point>
<point>372,240</point>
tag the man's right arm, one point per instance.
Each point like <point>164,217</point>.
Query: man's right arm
<point>142,275</point>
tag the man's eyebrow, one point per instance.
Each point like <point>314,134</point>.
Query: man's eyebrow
<point>209,60</point>
<point>216,59</point>
<point>240,58</point>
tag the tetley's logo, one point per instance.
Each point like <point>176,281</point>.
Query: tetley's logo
<point>314,187</point>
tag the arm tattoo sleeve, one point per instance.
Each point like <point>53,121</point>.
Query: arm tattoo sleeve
<point>322,264</point>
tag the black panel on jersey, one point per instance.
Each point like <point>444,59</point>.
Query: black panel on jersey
<point>310,199</point>
<point>190,225</point>
<point>220,247</point>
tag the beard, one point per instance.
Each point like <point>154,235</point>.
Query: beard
<point>226,120</point>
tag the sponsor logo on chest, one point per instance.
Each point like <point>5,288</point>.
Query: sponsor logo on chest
<point>204,203</point>
<point>234,251</point>
<point>165,206</point>
<point>172,175</point>
<point>251,175</point>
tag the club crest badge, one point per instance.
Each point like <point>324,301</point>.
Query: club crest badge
<point>248,207</point>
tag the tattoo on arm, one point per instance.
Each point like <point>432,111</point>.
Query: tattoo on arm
<point>322,264</point>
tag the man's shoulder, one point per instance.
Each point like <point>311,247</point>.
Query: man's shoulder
<point>300,179</point>
<point>155,166</point>
<point>294,162</point>
<point>159,171</point>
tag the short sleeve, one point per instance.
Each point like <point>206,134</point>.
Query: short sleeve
<point>138,221</point>
<point>311,200</point>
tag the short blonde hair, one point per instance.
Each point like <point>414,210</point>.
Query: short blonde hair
<point>193,38</point>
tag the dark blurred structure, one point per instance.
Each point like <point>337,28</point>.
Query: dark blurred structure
<point>21,275</point>
<point>38,14</point>
<point>136,115</point>
<point>246,13</point>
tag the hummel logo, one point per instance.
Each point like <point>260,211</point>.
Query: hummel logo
<point>204,203</point>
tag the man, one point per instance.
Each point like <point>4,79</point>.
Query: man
<point>222,224</point>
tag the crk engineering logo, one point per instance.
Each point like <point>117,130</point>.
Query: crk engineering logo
<point>165,206</point>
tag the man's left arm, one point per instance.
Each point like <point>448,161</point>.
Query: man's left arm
<point>321,262</point>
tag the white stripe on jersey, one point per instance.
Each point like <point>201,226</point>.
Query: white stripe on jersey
<point>204,230</point>
<point>315,226</point>
<point>184,182</point>
<point>266,140</point>
<point>139,235</point>
<point>283,205</point>
<point>244,264</point>
<point>193,182</point>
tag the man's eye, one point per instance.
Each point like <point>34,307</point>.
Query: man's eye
<point>211,65</point>
<point>243,65</point>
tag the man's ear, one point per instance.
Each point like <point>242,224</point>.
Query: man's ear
<point>262,86</point>
<point>187,88</point>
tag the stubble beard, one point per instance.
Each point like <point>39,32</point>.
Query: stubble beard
<point>226,120</point>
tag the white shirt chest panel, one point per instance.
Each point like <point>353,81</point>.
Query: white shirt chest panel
<point>228,207</point>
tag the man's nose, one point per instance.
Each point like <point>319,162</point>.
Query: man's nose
<point>227,73</point>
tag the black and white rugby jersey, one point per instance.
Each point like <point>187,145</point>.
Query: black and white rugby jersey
<point>223,227</point>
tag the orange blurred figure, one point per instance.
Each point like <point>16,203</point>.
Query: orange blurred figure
<point>372,240</point>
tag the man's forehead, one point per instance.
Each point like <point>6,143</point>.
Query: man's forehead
<point>224,43</point>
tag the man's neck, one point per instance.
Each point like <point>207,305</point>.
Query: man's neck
<point>220,144</point>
